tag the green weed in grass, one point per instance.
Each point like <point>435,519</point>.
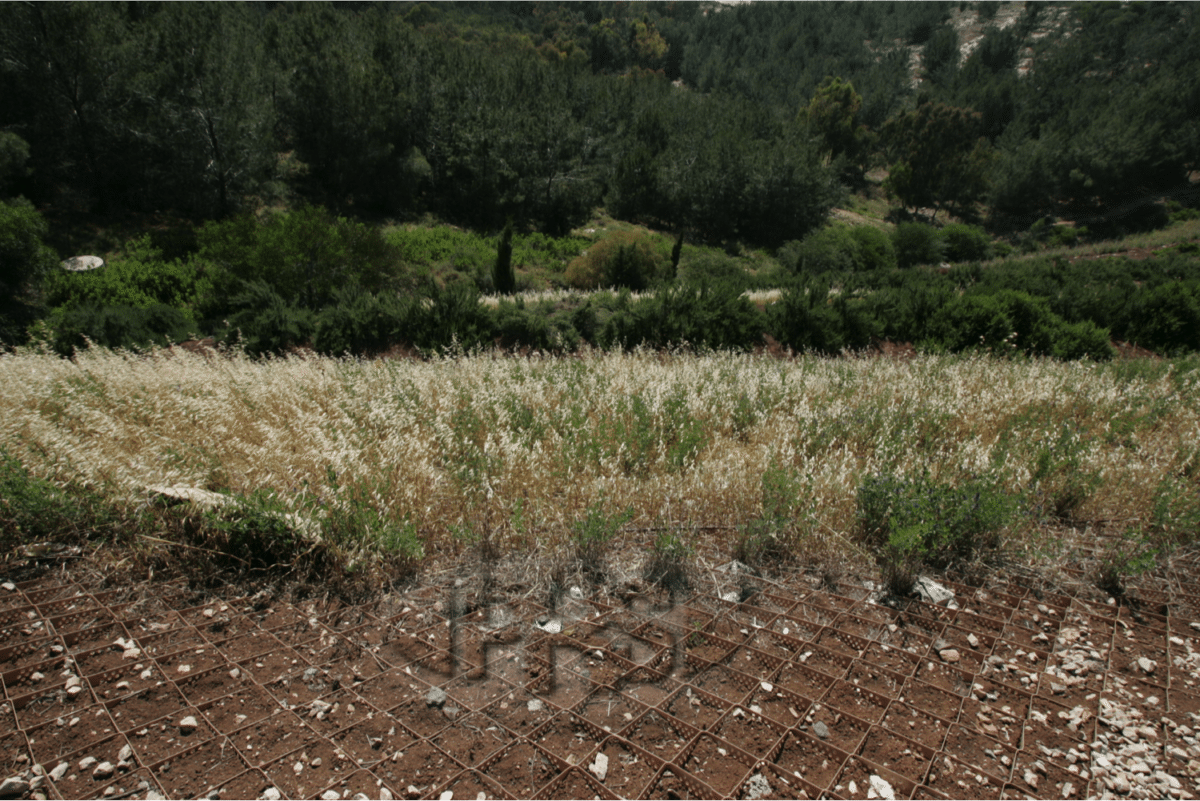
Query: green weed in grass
<point>592,536</point>
<point>33,509</point>
<point>916,521</point>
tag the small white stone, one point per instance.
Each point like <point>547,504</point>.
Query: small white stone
<point>767,686</point>
<point>188,725</point>
<point>104,770</point>
<point>881,788</point>
<point>59,771</point>
<point>87,762</point>
<point>331,795</point>
<point>8,585</point>
<point>270,794</point>
<point>1147,665</point>
<point>599,768</point>
<point>35,677</point>
<point>852,787</point>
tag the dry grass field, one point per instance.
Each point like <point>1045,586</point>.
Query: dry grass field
<point>522,454</point>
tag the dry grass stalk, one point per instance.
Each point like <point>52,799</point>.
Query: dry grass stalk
<point>514,451</point>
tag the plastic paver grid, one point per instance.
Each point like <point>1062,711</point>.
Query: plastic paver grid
<point>811,690</point>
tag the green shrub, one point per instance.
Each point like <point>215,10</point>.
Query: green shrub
<point>519,325</point>
<point>1008,321</point>
<point>1130,555</point>
<point>263,322</point>
<point>257,532</point>
<point>623,259</point>
<point>917,243</point>
<point>875,248</point>
<point>962,242</point>
<point>713,267</point>
<point>1044,233</point>
<point>119,327</point>
<point>710,316</point>
<point>363,323</point>
<point>915,521</point>
<point>547,252</point>
<point>456,317</point>
<point>1082,340</point>
<point>1167,318</point>
<point>592,536</point>
<point>303,254</point>
<point>773,536</point>
<point>831,249</point>
<point>24,261</point>
<point>807,319</point>
<point>465,251</point>
<point>353,524</point>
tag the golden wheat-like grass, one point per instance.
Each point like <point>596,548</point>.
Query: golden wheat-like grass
<point>518,449</point>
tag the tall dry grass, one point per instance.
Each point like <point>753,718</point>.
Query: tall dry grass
<point>517,450</point>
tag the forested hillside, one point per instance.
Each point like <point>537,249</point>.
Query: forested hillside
<point>739,126</point>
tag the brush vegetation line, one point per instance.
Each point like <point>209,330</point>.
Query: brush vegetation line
<point>402,460</point>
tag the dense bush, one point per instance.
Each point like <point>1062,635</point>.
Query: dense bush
<point>1167,318</point>
<point>808,319</point>
<point>518,324</point>
<point>1011,321</point>
<point>839,248</point>
<point>962,242</point>
<point>708,315</point>
<point>132,327</point>
<point>917,243</point>
<point>623,259</point>
<point>262,321</point>
<point>713,267</point>
<point>456,317</point>
<point>304,254</point>
<point>365,323</point>
<point>875,248</point>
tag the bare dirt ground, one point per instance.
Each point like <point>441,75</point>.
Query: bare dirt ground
<point>738,687</point>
